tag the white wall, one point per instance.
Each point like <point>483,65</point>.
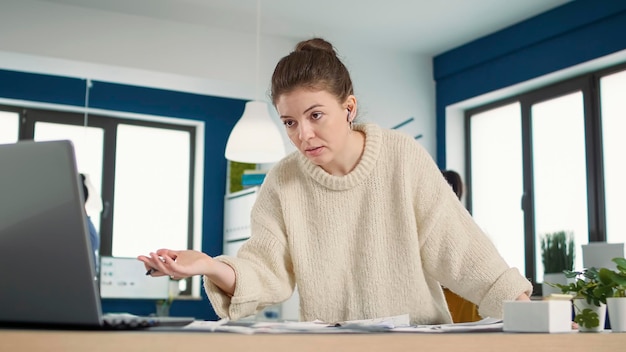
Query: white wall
<point>73,41</point>
<point>393,87</point>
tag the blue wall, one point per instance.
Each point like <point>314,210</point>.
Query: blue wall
<point>568,35</point>
<point>219,115</point>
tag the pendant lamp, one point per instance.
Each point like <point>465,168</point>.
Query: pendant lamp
<point>255,139</point>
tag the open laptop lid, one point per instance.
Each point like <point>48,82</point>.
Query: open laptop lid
<point>46,264</point>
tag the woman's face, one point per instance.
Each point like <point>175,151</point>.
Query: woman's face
<point>317,124</point>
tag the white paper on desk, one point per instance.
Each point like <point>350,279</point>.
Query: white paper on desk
<point>218,326</point>
<point>391,322</point>
<point>484,325</point>
<point>307,327</point>
<point>301,327</point>
<point>320,327</point>
<point>252,327</point>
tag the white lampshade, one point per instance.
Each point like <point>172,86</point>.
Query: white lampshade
<point>255,139</point>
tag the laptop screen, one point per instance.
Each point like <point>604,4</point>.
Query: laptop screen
<point>46,262</point>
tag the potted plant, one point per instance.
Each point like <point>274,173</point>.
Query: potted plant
<point>616,304</point>
<point>557,255</point>
<point>163,305</point>
<point>590,292</point>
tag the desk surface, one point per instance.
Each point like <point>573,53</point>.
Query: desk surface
<point>96,341</point>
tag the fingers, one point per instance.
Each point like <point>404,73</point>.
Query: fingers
<point>154,265</point>
<point>163,262</point>
<point>170,262</point>
<point>159,263</point>
<point>167,252</point>
<point>147,262</point>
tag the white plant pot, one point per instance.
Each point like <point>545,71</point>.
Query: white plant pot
<point>616,307</point>
<point>554,278</point>
<point>582,307</point>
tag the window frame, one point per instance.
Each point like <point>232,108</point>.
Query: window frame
<point>28,118</point>
<point>588,84</point>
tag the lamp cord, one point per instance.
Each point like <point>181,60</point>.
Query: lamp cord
<point>258,46</point>
<point>87,88</point>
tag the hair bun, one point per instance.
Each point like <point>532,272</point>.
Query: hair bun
<point>315,44</point>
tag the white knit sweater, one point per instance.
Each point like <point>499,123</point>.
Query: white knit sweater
<point>377,242</point>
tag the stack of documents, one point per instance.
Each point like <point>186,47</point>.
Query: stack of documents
<point>398,323</point>
<point>484,325</point>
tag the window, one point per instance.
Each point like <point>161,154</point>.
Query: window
<point>496,175</point>
<point>152,173</point>
<point>559,171</point>
<point>613,110</point>
<point>556,153</point>
<point>9,127</point>
<point>143,170</point>
<point>88,146</point>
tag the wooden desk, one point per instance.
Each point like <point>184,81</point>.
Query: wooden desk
<point>96,341</point>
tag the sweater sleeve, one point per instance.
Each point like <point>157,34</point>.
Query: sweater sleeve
<point>263,270</point>
<point>455,251</point>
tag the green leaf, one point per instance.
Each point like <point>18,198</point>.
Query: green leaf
<point>571,274</point>
<point>605,276</point>
<point>619,279</point>
<point>587,318</point>
<point>621,264</point>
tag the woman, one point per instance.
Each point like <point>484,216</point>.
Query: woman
<point>359,218</point>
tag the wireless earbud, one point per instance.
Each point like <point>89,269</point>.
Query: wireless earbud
<point>348,118</point>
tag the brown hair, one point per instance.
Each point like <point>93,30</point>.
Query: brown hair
<point>314,65</point>
<point>455,181</point>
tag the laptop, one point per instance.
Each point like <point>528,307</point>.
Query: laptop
<point>47,266</point>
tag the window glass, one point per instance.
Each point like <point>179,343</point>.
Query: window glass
<point>613,109</point>
<point>152,173</point>
<point>9,127</point>
<point>559,171</point>
<point>88,146</point>
<point>497,179</point>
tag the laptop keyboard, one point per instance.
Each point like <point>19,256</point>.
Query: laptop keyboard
<point>131,321</point>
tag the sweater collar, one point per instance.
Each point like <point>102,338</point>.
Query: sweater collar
<point>373,141</point>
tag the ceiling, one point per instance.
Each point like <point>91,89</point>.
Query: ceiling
<point>427,27</point>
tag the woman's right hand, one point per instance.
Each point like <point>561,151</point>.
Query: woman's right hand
<point>182,264</point>
<point>177,264</point>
